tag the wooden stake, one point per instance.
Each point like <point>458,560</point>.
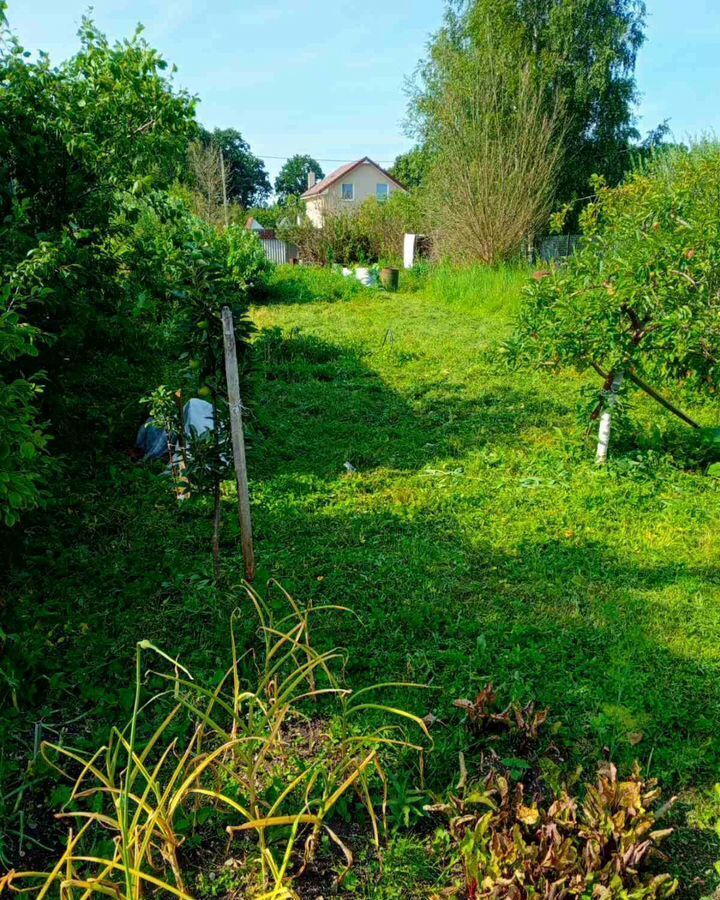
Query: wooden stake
<point>238,442</point>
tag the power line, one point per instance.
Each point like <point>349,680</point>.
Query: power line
<point>317,159</point>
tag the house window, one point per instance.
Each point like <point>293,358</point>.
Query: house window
<point>382,191</point>
<point>348,191</point>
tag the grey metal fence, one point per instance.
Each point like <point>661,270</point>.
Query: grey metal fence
<point>279,251</point>
<point>557,246</point>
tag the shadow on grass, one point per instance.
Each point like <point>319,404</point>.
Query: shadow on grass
<point>581,621</point>
<point>319,405</point>
<point>618,647</point>
<point>571,626</point>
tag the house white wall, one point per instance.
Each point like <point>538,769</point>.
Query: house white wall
<point>364,180</point>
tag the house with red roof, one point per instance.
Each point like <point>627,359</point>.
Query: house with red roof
<point>347,188</point>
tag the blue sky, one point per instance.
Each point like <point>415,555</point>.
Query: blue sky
<point>326,77</point>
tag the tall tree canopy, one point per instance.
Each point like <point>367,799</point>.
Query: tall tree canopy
<point>581,53</point>
<point>248,181</point>
<point>411,168</point>
<point>292,179</point>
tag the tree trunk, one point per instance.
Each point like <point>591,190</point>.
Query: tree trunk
<point>606,418</point>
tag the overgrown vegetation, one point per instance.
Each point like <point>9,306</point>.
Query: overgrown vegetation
<point>580,56</point>
<point>498,153</point>
<point>370,234</point>
<point>100,264</point>
<point>528,834</point>
<point>471,538</point>
<point>255,764</point>
<point>399,467</point>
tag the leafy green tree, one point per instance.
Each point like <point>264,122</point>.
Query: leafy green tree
<point>411,168</point>
<point>292,180</point>
<point>581,53</point>
<point>638,302</point>
<point>247,177</point>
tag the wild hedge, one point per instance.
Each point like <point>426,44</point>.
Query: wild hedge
<point>373,233</point>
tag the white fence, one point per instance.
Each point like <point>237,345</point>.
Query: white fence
<point>279,252</point>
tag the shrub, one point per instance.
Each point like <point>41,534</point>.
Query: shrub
<point>248,264</point>
<point>513,845</point>
<point>255,763</point>
<point>213,270</point>
<point>372,233</point>
<point>341,240</point>
<point>22,440</point>
<point>386,222</point>
<point>77,303</point>
<point>97,259</point>
<point>492,180</point>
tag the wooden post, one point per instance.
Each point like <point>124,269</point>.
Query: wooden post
<point>238,442</point>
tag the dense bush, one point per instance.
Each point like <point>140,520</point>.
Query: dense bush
<point>80,147</point>
<point>22,441</point>
<point>341,239</point>
<point>385,222</point>
<point>370,234</point>
<point>96,257</point>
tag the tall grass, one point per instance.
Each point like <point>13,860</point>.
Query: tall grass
<point>136,801</point>
<point>493,289</point>
<point>307,284</point>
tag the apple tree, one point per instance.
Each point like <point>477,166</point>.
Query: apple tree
<point>640,301</point>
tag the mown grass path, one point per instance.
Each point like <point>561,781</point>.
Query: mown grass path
<point>476,539</point>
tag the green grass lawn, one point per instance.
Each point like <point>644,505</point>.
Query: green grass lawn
<point>477,540</point>
<point>474,538</point>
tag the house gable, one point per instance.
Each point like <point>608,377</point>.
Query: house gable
<point>343,175</point>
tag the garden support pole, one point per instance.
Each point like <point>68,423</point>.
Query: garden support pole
<point>238,442</point>
<point>606,419</point>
